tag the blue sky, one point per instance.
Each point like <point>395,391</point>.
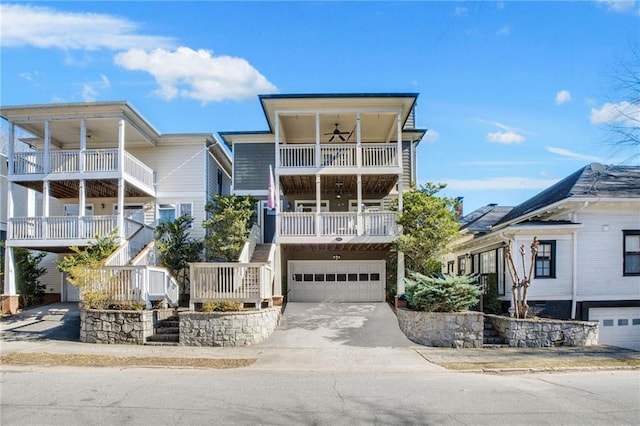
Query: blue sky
<point>515,94</point>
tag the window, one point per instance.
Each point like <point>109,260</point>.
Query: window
<point>74,210</point>
<point>451,267</point>
<point>631,252</point>
<point>546,260</point>
<point>488,262</point>
<point>462,265</point>
<point>169,212</point>
<point>219,182</point>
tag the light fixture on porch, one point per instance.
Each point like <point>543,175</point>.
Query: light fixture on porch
<point>336,257</point>
<point>338,190</point>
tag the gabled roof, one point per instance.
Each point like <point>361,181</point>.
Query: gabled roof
<point>615,182</point>
<point>482,219</point>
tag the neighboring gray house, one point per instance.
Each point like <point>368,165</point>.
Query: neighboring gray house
<point>96,167</point>
<point>338,161</point>
<point>588,263</point>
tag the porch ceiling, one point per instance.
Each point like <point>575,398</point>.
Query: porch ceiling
<point>336,247</point>
<point>329,184</point>
<point>94,188</point>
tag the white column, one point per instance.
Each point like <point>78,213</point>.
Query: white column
<point>82,206</point>
<point>360,218</point>
<point>276,177</point>
<point>358,142</point>
<point>11,148</point>
<point>9,273</point>
<point>45,209</point>
<point>83,145</point>
<point>400,274</point>
<point>400,282</point>
<point>47,146</point>
<point>399,126</point>
<point>318,157</point>
<point>318,201</point>
<point>121,137</point>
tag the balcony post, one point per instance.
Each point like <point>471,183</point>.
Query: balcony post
<point>11,149</point>
<point>400,282</point>
<point>317,156</point>
<point>358,142</point>
<point>9,273</point>
<point>83,145</point>
<point>360,217</point>
<point>399,153</point>
<point>81,207</point>
<point>277,142</point>
<point>121,137</point>
<point>45,209</point>
<point>47,146</point>
<point>318,201</point>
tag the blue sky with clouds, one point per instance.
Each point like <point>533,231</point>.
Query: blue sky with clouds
<point>515,94</point>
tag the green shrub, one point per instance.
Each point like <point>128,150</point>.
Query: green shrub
<point>447,293</point>
<point>226,306</point>
<point>490,299</point>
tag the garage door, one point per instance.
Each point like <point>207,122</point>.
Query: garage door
<point>618,326</point>
<point>336,281</point>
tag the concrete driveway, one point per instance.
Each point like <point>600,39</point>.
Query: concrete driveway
<point>332,325</point>
<point>57,321</point>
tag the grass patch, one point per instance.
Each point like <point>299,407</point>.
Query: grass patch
<point>545,363</point>
<point>83,360</point>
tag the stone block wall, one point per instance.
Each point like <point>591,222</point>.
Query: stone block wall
<point>444,329</point>
<point>537,333</point>
<point>115,327</point>
<point>228,328</point>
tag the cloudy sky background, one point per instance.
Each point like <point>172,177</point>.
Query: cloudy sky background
<point>516,95</point>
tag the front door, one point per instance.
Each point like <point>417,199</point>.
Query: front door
<point>269,224</point>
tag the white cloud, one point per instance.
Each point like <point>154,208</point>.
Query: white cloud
<point>44,27</point>
<point>460,11</point>
<point>624,113</point>
<point>562,97</point>
<point>91,89</point>
<point>431,136</point>
<point>498,183</point>
<point>197,74</point>
<point>506,138</point>
<point>570,154</point>
<point>619,6</point>
<point>500,5</point>
<point>29,76</point>
<point>505,30</point>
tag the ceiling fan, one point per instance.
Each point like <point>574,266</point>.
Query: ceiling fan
<point>338,133</point>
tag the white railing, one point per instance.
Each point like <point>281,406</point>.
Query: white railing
<point>246,282</point>
<point>377,155</point>
<point>298,224</point>
<point>297,155</point>
<point>64,161</point>
<point>60,227</point>
<point>138,237</point>
<point>25,163</point>
<point>138,170</point>
<point>136,284</point>
<point>250,245</point>
<point>339,223</point>
<point>341,155</point>
<point>380,223</point>
<point>101,160</point>
<point>148,256</point>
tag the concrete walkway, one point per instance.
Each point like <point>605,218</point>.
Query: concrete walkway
<point>57,321</point>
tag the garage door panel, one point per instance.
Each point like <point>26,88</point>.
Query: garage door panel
<point>618,326</point>
<point>343,281</point>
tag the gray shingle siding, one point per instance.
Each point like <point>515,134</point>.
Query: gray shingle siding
<point>251,165</point>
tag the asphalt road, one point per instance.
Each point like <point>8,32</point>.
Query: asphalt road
<point>253,395</point>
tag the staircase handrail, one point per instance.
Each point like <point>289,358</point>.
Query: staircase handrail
<point>138,236</point>
<point>250,244</point>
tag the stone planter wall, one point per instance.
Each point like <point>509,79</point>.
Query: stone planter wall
<point>115,327</point>
<point>445,329</point>
<point>536,333</point>
<point>228,328</point>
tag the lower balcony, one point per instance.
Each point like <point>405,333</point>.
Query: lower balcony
<point>341,226</point>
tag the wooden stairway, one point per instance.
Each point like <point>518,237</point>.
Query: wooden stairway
<point>261,253</point>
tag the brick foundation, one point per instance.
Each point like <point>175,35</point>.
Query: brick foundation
<point>10,303</point>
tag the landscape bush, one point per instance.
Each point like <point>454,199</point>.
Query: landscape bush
<point>446,293</point>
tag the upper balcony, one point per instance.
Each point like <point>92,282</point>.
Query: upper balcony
<point>90,164</point>
<point>338,158</point>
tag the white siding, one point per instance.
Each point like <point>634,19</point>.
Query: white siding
<point>600,256</point>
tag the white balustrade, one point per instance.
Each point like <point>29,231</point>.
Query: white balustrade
<point>230,281</point>
<point>138,170</point>
<point>101,160</point>
<point>297,224</point>
<point>379,155</point>
<point>64,161</point>
<point>297,155</point>
<point>25,163</point>
<point>380,223</point>
<point>339,155</point>
<point>337,223</point>
<point>60,227</point>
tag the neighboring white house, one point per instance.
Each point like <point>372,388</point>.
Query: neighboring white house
<point>588,262</point>
<point>95,168</point>
<point>338,161</point>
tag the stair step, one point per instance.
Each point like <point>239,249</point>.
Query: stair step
<point>168,330</point>
<point>152,343</point>
<point>490,333</point>
<point>168,323</point>
<point>493,340</point>
<point>163,338</point>
<point>494,346</point>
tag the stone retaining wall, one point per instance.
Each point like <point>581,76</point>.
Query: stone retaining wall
<point>444,329</point>
<point>228,328</point>
<point>115,327</point>
<point>536,333</point>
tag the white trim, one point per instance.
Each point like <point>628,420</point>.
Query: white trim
<point>88,209</point>
<point>312,204</point>
<point>353,204</point>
